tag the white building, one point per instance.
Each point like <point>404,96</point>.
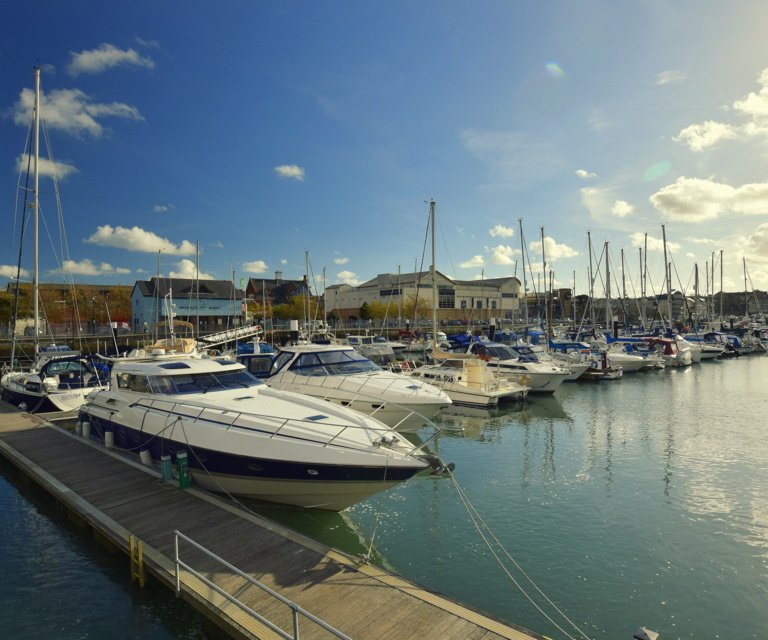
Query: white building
<point>461,300</point>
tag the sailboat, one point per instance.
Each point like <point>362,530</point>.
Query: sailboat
<point>59,378</point>
<point>465,378</point>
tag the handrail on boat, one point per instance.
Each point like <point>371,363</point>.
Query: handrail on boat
<point>150,404</point>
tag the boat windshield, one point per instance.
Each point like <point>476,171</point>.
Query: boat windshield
<point>333,363</point>
<point>187,382</point>
<point>500,351</point>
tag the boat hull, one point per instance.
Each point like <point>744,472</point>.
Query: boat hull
<point>43,401</point>
<point>330,487</point>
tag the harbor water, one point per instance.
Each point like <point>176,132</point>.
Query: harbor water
<point>640,501</point>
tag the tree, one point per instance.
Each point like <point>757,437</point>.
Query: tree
<point>416,308</point>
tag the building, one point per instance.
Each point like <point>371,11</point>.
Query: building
<point>210,305</point>
<point>457,300</point>
<point>276,291</point>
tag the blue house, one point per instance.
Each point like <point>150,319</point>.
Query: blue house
<point>209,305</point>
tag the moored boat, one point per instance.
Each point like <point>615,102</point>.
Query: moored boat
<point>342,375</point>
<point>244,438</point>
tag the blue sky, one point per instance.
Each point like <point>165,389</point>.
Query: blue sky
<point>265,130</point>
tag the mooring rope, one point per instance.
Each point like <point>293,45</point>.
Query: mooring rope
<point>482,528</point>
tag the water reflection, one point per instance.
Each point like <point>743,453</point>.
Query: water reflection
<point>486,424</point>
<point>333,529</point>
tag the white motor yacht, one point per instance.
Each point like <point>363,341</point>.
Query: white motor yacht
<point>524,368</point>
<point>340,374</point>
<point>242,437</point>
<point>469,381</point>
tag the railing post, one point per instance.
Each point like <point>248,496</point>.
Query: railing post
<point>295,615</point>
<point>176,559</point>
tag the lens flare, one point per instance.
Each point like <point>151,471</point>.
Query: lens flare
<point>657,170</point>
<point>554,70</point>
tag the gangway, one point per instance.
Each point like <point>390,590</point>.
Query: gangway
<point>222,337</point>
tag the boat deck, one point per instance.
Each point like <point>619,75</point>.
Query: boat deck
<point>118,498</point>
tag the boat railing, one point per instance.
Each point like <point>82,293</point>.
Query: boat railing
<point>297,611</point>
<point>369,388</point>
<point>244,420</point>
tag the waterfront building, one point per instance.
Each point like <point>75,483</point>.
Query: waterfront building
<point>457,300</point>
<point>210,305</point>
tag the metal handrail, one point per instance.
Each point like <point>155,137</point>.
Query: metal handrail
<point>296,609</point>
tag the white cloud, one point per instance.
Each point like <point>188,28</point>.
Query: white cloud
<point>755,105</point>
<point>106,56</point>
<point>584,174</point>
<point>552,250</point>
<point>503,255</point>
<point>86,267</point>
<point>71,111</point>
<point>9,271</point>
<point>290,171</point>
<point>694,240</point>
<point>671,76</point>
<point>700,136</point>
<point>656,245</point>
<point>59,170</point>
<point>256,266</point>
<point>348,277</point>
<point>501,231</point>
<point>341,260</point>
<point>622,209</point>
<point>163,208</point>
<point>473,263</point>
<point>138,239</point>
<point>756,247</point>
<point>695,199</point>
<point>186,269</point>
<point>148,44</point>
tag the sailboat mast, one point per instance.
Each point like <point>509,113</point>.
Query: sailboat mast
<point>607,290</point>
<point>35,213</point>
<point>432,273</point>
<point>746,291</point>
<point>721,284</point>
<point>544,274</point>
<point>525,287</point>
<point>667,274</point>
<point>591,285</point>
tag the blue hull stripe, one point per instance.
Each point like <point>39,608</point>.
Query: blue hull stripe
<point>217,462</point>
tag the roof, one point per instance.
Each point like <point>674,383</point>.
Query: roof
<point>183,287</point>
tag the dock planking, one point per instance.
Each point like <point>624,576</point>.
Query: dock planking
<point>119,497</point>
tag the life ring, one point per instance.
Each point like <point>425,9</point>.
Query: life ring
<point>594,365</point>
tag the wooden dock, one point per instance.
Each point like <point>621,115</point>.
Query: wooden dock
<point>119,498</point>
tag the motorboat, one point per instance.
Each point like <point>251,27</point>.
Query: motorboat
<point>576,357</point>
<point>673,353</point>
<point>524,368</point>
<point>244,438</point>
<point>344,376</point>
<point>710,350</point>
<point>601,368</point>
<point>59,380</point>
<point>468,381</point>
<point>379,352</point>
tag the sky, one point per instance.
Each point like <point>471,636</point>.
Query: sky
<point>250,137</point>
